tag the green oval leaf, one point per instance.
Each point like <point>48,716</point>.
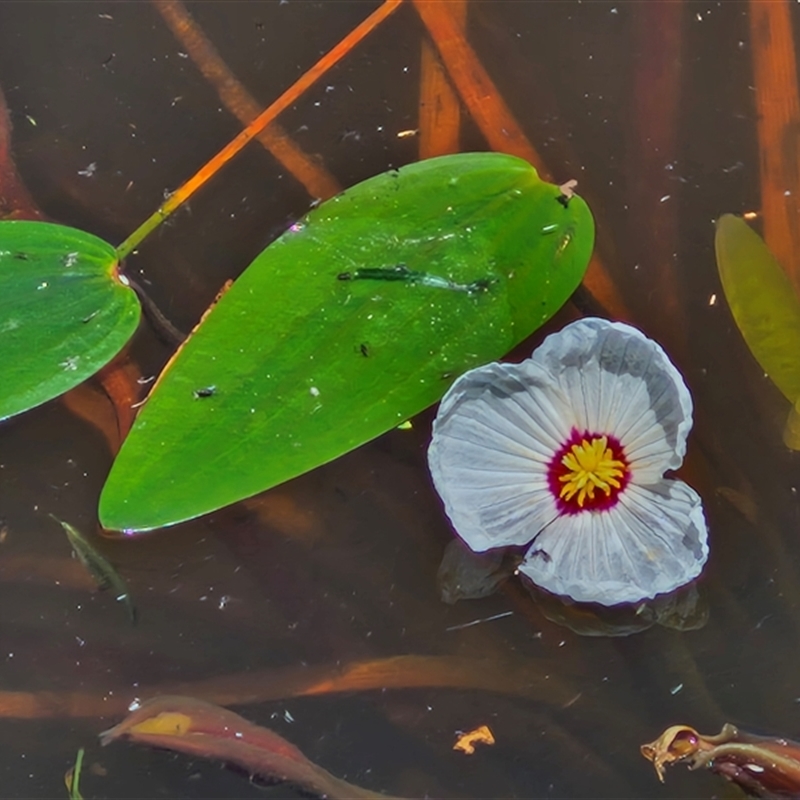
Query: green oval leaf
<point>762,301</point>
<point>356,318</point>
<point>63,312</point>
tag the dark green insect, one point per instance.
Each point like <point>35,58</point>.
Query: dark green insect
<point>401,272</point>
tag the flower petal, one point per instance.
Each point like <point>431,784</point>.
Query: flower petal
<point>622,383</point>
<point>652,542</point>
<point>497,429</point>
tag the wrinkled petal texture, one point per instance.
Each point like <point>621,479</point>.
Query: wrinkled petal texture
<point>652,542</point>
<point>496,431</point>
<point>619,382</point>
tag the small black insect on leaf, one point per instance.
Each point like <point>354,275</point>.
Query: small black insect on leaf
<point>205,391</point>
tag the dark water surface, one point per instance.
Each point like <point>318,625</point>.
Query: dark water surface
<point>339,566</point>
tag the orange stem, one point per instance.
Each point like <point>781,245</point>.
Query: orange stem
<point>319,183</point>
<point>480,95</point>
<point>529,678</point>
<point>119,380</point>
<point>497,123</point>
<point>778,111</point>
<point>288,98</point>
<point>439,107</point>
<point>657,33</point>
<point>15,200</point>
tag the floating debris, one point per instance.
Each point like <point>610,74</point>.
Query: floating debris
<point>480,621</point>
<point>566,192</point>
<point>762,766</point>
<point>466,741</point>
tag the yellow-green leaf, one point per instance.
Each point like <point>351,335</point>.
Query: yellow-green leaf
<point>762,300</point>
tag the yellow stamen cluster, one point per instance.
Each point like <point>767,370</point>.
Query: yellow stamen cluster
<point>591,466</point>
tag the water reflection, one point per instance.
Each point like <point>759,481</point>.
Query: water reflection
<point>339,567</point>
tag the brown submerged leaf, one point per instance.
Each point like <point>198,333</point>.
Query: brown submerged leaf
<point>192,726</point>
<point>762,766</point>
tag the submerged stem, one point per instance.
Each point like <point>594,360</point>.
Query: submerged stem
<point>288,98</point>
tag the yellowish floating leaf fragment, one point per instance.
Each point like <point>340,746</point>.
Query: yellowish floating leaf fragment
<point>168,723</point>
<point>466,741</point>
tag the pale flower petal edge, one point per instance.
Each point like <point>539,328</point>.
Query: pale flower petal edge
<point>653,542</point>
<point>488,459</point>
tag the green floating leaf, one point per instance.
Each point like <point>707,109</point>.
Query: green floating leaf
<point>762,301</point>
<point>63,312</point>
<point>356,318</point>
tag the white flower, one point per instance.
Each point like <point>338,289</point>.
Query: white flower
<point>567,452</point>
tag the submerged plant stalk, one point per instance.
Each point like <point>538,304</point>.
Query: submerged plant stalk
<point>777,104</point>
<point>497,122</point>
<point>288,98</point>
<point>318,182</point>
<point>439,107</point>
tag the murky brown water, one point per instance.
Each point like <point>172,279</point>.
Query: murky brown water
<point>340,565</point>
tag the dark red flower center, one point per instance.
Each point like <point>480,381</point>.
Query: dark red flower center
<point>588,472</point>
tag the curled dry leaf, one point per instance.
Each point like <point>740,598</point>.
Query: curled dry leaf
<point>466,741</point>
<point>192,726</point>
<point>762,766</point>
